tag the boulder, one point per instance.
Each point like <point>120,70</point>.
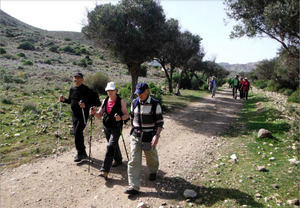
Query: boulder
<point>264,133</point>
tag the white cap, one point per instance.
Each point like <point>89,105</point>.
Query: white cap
<point>110,86</point>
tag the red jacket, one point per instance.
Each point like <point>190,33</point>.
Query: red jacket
<point>246,85</point>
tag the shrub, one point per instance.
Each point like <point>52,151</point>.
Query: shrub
<point>85,61</point>
<point>125,91</point>
<point>272,85</point>
<point>143,71</point>
<point>97,82</point>
<point>156,91</point>
<point>261,84</point>
<point>195,84</point>
<point>67,39</point>
<point>288,92</point>
<point>54,49</point>
<point>29,107</point>
<point>2,51</point>
<point>21,54</point>
<point>7,101</point>
<point>8,56</point>
<point>68,49</point>
<point>295,97</point>
<point>27,62</point>
<point>26,46</point>
<point>47,61</point>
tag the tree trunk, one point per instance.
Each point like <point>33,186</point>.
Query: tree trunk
<point>133,69</point>
<point>168,78</point>
<point>179,83</point>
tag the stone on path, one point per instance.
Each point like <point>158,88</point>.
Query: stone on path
<point>142,205</point>
<point>293,202</point>
<point>264,133</point>
<point>189,193</point>
<point>262,169</point>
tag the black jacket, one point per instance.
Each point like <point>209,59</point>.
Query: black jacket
<point>89,97</point>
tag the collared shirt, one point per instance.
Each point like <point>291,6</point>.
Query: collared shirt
<point>149,122</point>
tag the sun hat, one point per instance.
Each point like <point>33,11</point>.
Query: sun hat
<point>110,86</point>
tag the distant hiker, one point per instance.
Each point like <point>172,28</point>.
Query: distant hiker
<point>235,86</point>
<point>246,87</point>
<point>147,122</point>
<point>80,97</point>
<point>241,88</point>
<point>114,112</point>
<point>213,86</point>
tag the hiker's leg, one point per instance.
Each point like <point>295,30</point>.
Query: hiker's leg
<point>135,163</point>
<point>78,127</point>
<point>152,160</point>
<point>111,148</point>
<point>118,154</point>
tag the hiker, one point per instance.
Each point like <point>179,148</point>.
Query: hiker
<point>114,112</point>
<point>235,86</point>
<point>147,123</point>
<point>80,97</point>
<point>213,86</point>
<point>241,88</point>
<point>246,87</point>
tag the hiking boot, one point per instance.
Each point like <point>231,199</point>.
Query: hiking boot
<point>78,157</point>
<point>117,163</point>
<point>152,177</point>
<point>131,192</point>
<point>104,175</point>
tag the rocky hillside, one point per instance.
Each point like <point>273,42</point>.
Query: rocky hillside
<point>239,67</point>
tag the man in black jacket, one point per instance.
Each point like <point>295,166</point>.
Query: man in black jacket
<point>80,97</point>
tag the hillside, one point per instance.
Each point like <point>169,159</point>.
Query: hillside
<point>239,67</point>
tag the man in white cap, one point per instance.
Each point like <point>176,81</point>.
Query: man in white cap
<point>114,112</point>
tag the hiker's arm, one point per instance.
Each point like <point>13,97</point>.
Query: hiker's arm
<point>67,100</point>
<point>156,137</point>
<point>99,113</point>
<point>124,110</point>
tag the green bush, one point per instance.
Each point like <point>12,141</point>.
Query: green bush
<point>67,39</point>
<point>29,107</point>
<point>288,92</point>
<point>54,49</point>
<point>26,46</point>
<point>68,49</point>
<point>21,54</point>
<point>272,85</point>
<point>10,57</point>
<point>195,85</point>
<point>261,84</point>
<point>143,71</point>
<point>2,51</point>
<point>47,61</point>
<point>295,97</point>
<point>125,91</point>
<point>27,62</point>
<point>156,91</point>
<point>85,61</point>
<point>97,82</point>
<point>7,101</point>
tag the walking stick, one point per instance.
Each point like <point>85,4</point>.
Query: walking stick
<point>124,145</point>
<point>84,121</point>
<point>90,142</point>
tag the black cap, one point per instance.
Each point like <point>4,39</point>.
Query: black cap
<point>78,74</point>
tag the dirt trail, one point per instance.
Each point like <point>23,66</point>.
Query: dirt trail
<point>190,136</point>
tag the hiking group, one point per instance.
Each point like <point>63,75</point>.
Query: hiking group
<point>242,85</point>
<point>146,121</point>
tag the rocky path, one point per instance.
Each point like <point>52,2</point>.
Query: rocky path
<point>190,136</point>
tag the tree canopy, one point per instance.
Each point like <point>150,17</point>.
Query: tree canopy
<point>278,19</point>
<point>132,30</point>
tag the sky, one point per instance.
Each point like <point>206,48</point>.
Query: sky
<point>206,18</point>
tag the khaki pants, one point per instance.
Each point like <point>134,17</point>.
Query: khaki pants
<point>135,162</point>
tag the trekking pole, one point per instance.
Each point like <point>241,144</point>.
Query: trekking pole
<point>90,142</point>
<point>124,145</point>
<point>84,121</point>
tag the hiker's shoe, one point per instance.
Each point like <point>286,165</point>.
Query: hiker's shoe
<point>131,192</point>
<point>152,177</point>
<point>117,163</point>
<point>104,175</point>
<point>78,157</point>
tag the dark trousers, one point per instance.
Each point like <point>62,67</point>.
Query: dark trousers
<point>246,94</point>
<point>78,126</point>
<point>113,150</point>
<point>241,93</point>
<point>234,91</point>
